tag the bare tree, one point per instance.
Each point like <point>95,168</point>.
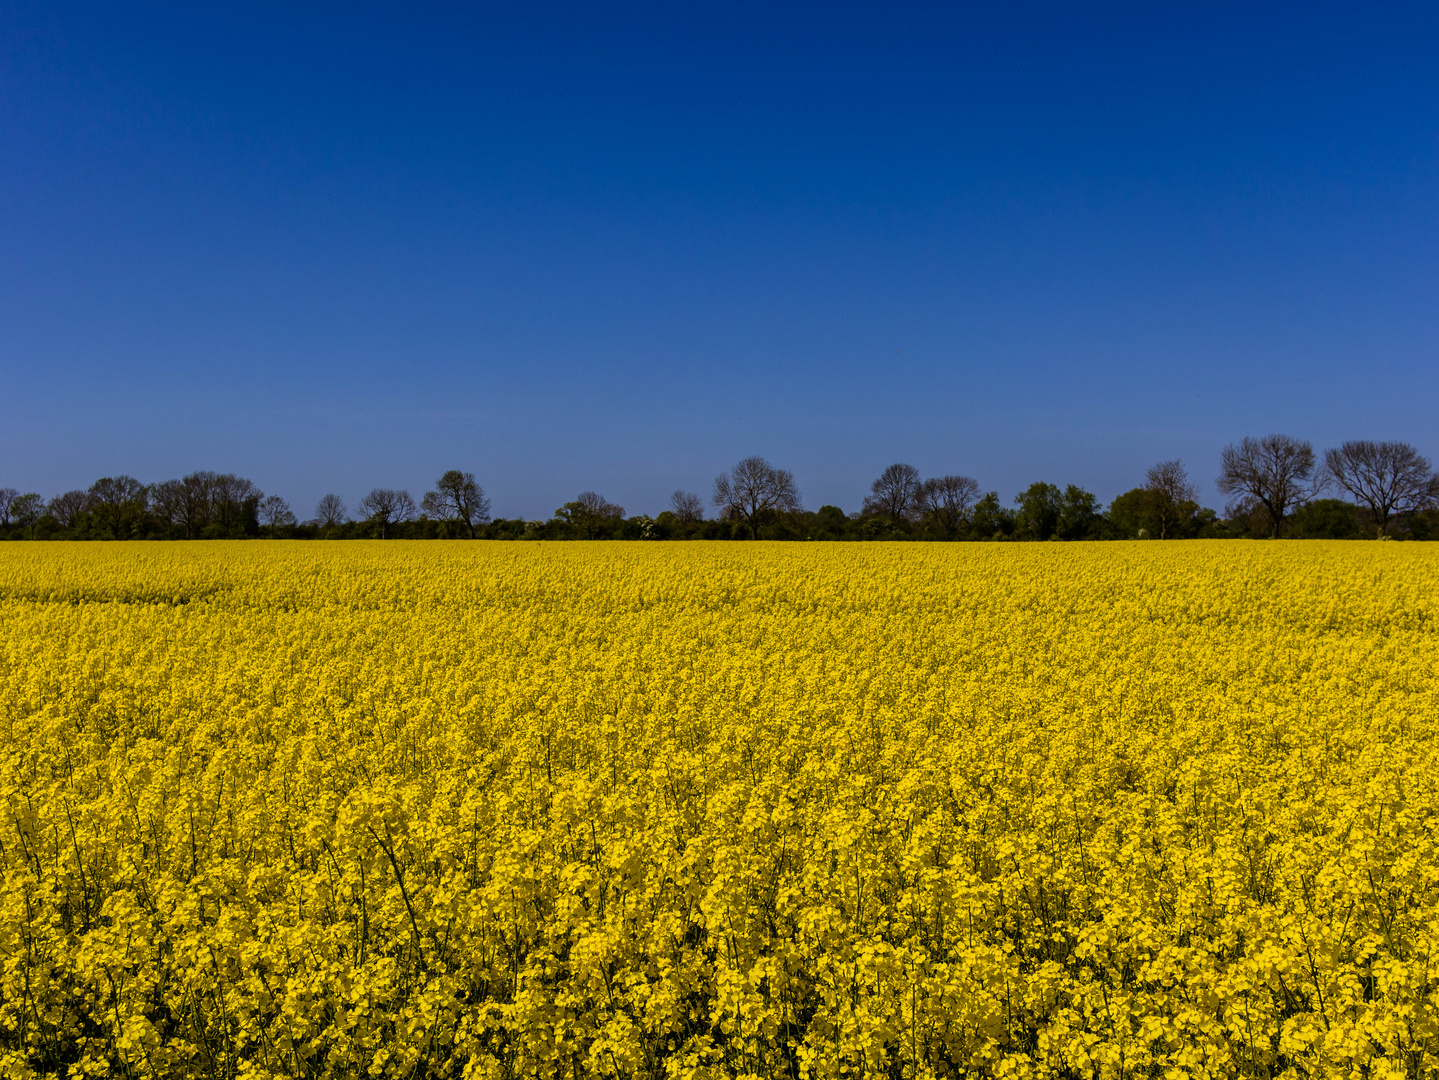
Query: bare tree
<point>274,511</point>
<point>7,499</point>
<point>67,508</point>
<point>26,510</point>
<point>229,494</point>
<point>895,494</point>
<point>1274,472</point>
<point>754,491</point>
<point>187,503</point>
<point>117,501</point>
<point>600,506</point>
<point>1392,479</point>
<point>194,501</point>
<point>948,500</point>
<point>388,506</point>
<point>331,511</point>
<point>1173,497</point>
<point>688,509</point>
<point>458,498</point>
<point>165,500</point>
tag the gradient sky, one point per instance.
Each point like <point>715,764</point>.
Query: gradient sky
<point>620,247</point>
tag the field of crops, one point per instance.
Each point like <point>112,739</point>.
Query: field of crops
<point>907,810</point>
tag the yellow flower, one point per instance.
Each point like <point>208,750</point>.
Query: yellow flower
<point>704,810</point>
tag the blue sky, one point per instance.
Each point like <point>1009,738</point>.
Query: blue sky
<point>620,247</point>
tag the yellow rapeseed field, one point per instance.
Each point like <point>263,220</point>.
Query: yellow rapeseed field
<point>906,810</point>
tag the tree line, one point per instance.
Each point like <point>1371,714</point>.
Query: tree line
<point>1277,486</point>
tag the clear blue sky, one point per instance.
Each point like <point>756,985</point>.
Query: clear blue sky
<point>620,247</point>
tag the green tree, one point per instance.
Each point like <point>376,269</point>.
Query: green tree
<point>828,523</point>
<point>1329,519</point>
<point>990,519</point>
<point>1079,514</point>
<point>1039,509</point>
<point>1134,514</point>
<point>589,513</point>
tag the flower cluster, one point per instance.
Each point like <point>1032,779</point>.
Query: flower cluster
<point>491,810</point>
